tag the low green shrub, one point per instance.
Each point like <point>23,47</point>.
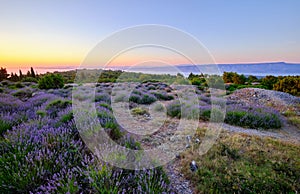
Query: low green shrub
<point>142,99</point>
<point>130,143</point>
<point>174,109</point>
<point>29,79</point>
<point>51,81</point>
<point>252,120</point>
<point>60,104</point>
<point>41,113</point>
<point>120,98</point>
<point>147,99</point>
<point>4,126</point>
<point>114,130</point>
<point>19,85</point>
<point>139,111</point>
<point>213,115</point>
<point>57,105</point>
<point>107,106</point>
<point>66,117</point>
<point>295,120</point>
<point>159,107</point>
<point>163,96</point>
<point>23,93</point>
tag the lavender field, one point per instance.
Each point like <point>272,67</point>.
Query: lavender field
<point>42,150</point>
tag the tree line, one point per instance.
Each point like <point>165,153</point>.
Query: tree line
<point>232,80</point>
<point>29,76</point>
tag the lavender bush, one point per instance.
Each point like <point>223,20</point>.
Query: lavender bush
<point>253,117</point>
<point>41,150</point>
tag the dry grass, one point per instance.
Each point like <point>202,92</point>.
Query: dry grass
<point>240,163</point>
<point>292,118</point>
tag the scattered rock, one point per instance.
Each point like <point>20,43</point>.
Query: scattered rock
<point>193,166</point>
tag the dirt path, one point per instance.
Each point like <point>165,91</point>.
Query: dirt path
<point>168,132</point>
<point>173,168</point>
<point>286,133</point>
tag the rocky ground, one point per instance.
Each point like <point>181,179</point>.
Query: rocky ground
<point>249,96</point>
<point>278,100</point>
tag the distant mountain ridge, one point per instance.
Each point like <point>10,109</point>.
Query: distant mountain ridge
<point>257,69</point>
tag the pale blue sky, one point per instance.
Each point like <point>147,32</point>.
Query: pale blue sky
<point>51,32</point>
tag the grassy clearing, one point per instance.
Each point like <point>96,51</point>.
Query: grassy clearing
<point>245,164</point>
<point>295,121</point>
<point>139,111</point>
<point>292,118</point>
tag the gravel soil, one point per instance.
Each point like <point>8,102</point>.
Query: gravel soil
<point>248,96</point>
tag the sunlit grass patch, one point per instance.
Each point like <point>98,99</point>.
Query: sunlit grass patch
<point>139,111</point>
<point>295,121</point>
<point>245,164</point>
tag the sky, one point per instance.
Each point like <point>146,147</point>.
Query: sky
<point>61,33</point>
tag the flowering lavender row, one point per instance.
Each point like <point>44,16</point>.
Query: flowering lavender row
<point>258,117</point>
<point>41,150</point>
<point>253,117</point>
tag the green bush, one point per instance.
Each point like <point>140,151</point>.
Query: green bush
<point>51,81</point>
<point>288,84</point>
<point>213,115</point>
<point>143,99</point>
<point>139,111</point>
<point>114,130</point>
<point>67,117</point>
<point>41,113</point>
<point>19,85</point>
<point>163,96</point>
<point>233,77</point>
<point>23,93</point>
<point>147,99</point>
<point>5,83</point>
<point>174,109</point>
<point>295,120</point>
<point>29,79</point>
<point>269,81</point>
<point>159,107</point>
<point>255,120</point>
<point>130,143</point>
<point>107,106</point>
<point>4,126</point>
<point>59,104</point>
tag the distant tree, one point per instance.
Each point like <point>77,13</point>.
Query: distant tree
<point>197,79</point>
<point>20,74</point>
<point>32,72</point>
<point>82,76</point>
<point>29,79</point>
<point>252,78</point>
<point>145,77</point>
<point>179,75</point>
<point>215,81</point>
<point>269,81</point>
<point>191,76</point>
<point>14,77</point>
<point>3,73</point>
<point>228,76</point>
<point>28,74</point>
<point>288,84</point>
<point>233,77</point>
<point>238,79</point>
